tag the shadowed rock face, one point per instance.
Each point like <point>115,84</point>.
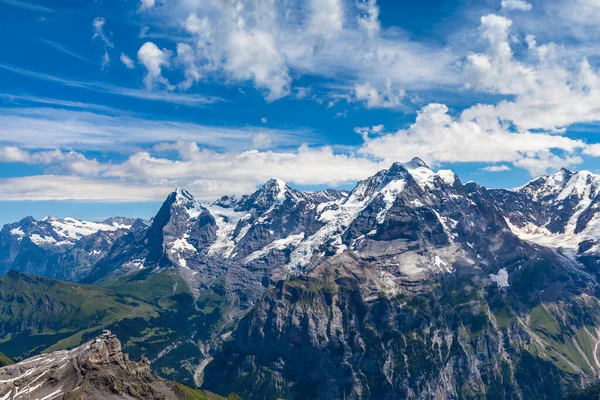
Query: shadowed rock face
<point>96,370</point>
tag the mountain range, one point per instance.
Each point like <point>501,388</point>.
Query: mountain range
<point>412,285</point>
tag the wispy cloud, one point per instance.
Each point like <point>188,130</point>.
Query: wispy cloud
<point>53,127</point>
<point>60,187</point>
<point>497,168</point>
<point>22,99</point>
<point>27,5</point>
<point>192,100</point>
<point>65,50</point>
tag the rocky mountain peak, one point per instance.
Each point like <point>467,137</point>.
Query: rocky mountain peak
<point>273,189</point>
<point>95,370</point>
<point>562,185</point>
<point>182,200</point>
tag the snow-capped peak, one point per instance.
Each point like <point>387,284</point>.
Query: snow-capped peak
<point>272,192</point>
<point>563,184</point>
<point>184,199</point>
<point>416,168</point>
<point>181,193</point>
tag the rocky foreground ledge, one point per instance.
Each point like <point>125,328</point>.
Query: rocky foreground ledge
<point>95,370</point>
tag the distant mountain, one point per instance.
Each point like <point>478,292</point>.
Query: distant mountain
<point>96,370</point>
<point>60,248</point>
<point>560,211</point>
<point>412,285</point>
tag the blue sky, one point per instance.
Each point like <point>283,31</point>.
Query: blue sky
<point>107,105</point>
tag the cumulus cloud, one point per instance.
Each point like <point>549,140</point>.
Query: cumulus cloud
<point>187,58</point>
<point>128,62</point>
<point>519,5</point>
<point>551,89</point>
<point>269,44</point>
<point>208,173</point>
<point>154,59</point>
<point>437,137</point>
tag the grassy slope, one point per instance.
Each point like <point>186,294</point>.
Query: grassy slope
<point>183,321</point>
<point>5,360</point>
<point>40,314</point>
<point>188,393</point>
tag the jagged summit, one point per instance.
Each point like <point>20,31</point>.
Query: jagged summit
<point>96,370</point>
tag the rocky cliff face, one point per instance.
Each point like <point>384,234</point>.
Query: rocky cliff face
<point>96,370</point>
<point>334,333</point>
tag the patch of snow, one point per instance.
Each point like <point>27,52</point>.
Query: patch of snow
<point>75,229</point>
<point>279,244</point>
<point>447,176</point>
<point>227,220</point>
<point>182,244</point>
<point>542,236</point>
<point>390,193</point>
<point>423,176</point>
<point>183,263</point>
<point>41,240</point>
<point>501,278</point>
<point>17,232</point>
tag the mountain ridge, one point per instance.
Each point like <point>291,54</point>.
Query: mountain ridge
<point>279,282</point>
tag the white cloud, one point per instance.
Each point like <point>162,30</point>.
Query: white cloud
<point>387,98</point>
<point>128,62</point>
<point>48,128</point>
<point>154,59</point>
<point>272,43</point>
<point>187,58</point>
<point>497,168</point>
<point>27,5</point>
<point>368,21</point>
<point>326,18</point>
<point>437,137</point>
<point>105,60</point>
<point>519,5</point>
<point>192,100</point>
<point>146,4</point>
<point>56,160</point>
<point>98,24</point>
<point>254,55</point>
<point>65,50</point>
<point>207,173</point>
<point>60,187</point>
<point>262,140</point>
<point>551,89</point>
